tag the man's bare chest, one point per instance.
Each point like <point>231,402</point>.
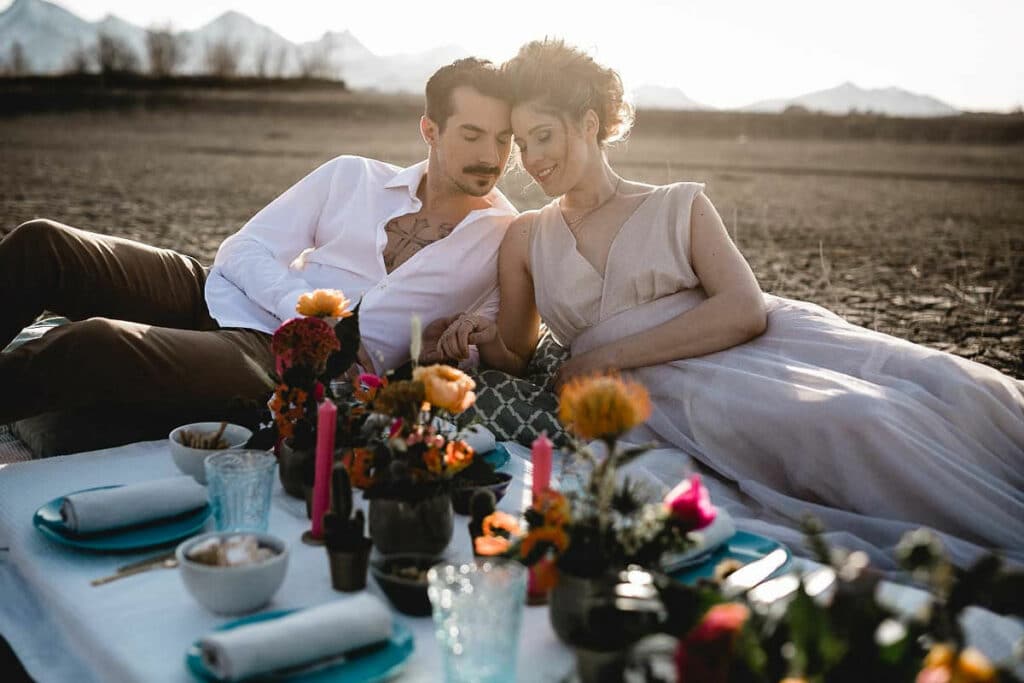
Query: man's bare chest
<point>406,235</point>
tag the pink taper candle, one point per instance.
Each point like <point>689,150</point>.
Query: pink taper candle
<point>326,424</point>
<point>540,456</point>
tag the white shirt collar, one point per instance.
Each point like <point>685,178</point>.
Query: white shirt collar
<point>410,178</point>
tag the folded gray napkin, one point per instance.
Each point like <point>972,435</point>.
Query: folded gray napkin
<point>299,638</point>
<point>708,539</point>
<point>103,509</point>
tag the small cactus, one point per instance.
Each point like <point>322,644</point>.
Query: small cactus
<point>343,531</point>
<point>480,505</point>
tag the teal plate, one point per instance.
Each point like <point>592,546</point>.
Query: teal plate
<point>48,522</point>
<point>371,665</point>
<point>743,546</point>
<point>498,457</point>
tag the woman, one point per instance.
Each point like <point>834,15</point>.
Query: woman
<point>801,409</point>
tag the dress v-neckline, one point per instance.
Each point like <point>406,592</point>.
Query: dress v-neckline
<point>611,245</point>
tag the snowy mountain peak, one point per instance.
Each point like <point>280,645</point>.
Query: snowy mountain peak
<point>848,97</point>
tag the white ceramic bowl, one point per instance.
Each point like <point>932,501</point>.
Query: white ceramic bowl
<point>190,460</point>
<point>233,590</point>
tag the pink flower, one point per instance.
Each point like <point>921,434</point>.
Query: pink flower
<point>690,503</point>
<point>370,380</point>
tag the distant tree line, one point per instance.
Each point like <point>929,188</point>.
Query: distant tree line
<point>166,52</point>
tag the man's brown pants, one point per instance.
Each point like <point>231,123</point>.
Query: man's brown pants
<point>141,333</point>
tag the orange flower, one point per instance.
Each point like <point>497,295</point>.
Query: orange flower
<point>499,521</point>
<point>554,506</point>
<point>432,459</point>
<point>974,667</point>
<point>324,303</point>
<point>943,665</point>
<point>545,534</point>
<point>543,576</point>
<point>457,456</point>
<point>368,387</point>
<point>603,406</point>
<point>446,387</point>
<point>490,545</point>
<point>358,462</point>
<point>288,407</point>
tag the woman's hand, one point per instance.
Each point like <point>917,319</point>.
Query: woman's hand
<point>589,363</point>
<point>465,330</point>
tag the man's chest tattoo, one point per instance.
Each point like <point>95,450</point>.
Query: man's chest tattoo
<point>406,236</point>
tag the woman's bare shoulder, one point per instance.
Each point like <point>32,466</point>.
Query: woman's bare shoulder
<point>519,229</point>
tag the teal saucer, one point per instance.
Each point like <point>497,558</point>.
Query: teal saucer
<point>47,520</point>
<point>743,546</point>
<point>369,666</point>
<point>498,457</point>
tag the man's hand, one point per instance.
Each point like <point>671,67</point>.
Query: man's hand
<point>463,331</point>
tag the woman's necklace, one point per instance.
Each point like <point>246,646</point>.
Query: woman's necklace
<point>574,223</point>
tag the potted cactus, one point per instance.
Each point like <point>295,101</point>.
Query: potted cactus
<point>348,547</point>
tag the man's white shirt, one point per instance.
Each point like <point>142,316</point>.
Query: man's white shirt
<point>328,232</point>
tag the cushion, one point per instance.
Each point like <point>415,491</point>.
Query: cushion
<point>520,408</point>
<point>87,429</point>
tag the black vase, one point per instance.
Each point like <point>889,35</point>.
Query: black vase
<point>296,469</point>
<point>424,527</point>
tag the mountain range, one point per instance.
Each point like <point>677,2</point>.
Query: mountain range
<point>50,37</point>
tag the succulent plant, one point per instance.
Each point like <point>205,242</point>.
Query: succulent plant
<point>343,531</point>
<point>480,505</point>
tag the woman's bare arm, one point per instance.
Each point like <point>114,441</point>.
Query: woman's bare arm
<point>733,313</point>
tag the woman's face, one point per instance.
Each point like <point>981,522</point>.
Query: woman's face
<point>553,152</point>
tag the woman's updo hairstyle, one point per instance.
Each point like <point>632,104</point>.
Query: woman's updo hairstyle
<point>570,82</point>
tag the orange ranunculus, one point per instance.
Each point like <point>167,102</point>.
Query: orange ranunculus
<point>457,456</point>
<point>500,521</point>
<point>432,459</point>
<point>446,387</point>
<point>358,462</point>
<point>944,665</point>
<point>603,406</point>
<point>324,303</point>
<point>973,667</point>
<point>556,536</point>
<point>490,545</point>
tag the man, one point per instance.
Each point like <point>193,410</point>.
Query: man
<point>421,240</point>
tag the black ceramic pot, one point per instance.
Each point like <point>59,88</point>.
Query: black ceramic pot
<point>348,568</point>
<point>408,593</point>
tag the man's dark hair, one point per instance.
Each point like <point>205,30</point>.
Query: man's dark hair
<point>479,74</point>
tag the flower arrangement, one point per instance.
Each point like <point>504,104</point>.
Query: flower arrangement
<point>606,524</point>
<point>830,625</point>
<point>310,350</point>
<point>408,456</point>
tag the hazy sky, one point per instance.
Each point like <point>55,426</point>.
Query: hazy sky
<point>720,52</point>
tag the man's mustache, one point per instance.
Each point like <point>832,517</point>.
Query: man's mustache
<point>482,170</point>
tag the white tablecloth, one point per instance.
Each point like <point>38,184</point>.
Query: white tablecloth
<point>138,628</point>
